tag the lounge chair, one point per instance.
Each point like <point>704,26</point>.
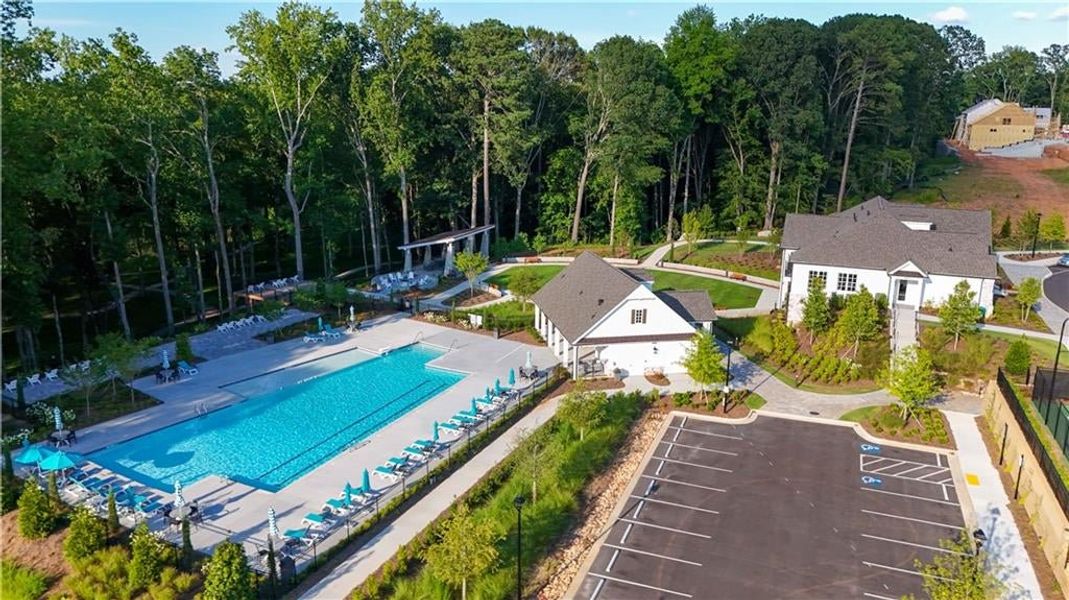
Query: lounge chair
<point>386,473</point>
<point>415,452</point>
<point>450,427</point>
<point>425,444</point>
<point>394,463</point>
<point>186,368</point>
<point>304,536</point>
<point>329,331</point>
<point>12,386</point>
<point>488,405</point>
<point>473,414</point>
<point>52,375</point>
<point>463,421</point>
<point>311,338</point>
<point>338,506</point>
<point>34,379</point>
<point>317,520</point>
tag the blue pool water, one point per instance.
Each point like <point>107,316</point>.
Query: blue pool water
<point>270,440</point>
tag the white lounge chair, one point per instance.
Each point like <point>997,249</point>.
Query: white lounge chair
<point>34,379</point>
<point>52,375</point>
<point>186,368</point>
<point>12,386</point>
<point>312,338</point>
<point>85,365</point>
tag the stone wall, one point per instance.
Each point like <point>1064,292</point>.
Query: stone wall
<point>1045,515</point>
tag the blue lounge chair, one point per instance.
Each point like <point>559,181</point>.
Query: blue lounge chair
<point>186,368</point>
<point>316,520</point>
<point>414,451</point>
<point>450,427</point>
<point>474,414</point>
<point>395,462</point>
<point>386,473</point>
<point>300,535</point>
<point>337,505</point>
<point>425,444</point>
<point>329,331</point>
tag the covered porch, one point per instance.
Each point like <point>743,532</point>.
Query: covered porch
<point>449,240</point>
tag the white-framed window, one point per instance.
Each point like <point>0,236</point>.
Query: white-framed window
<point>821,275</point>
<point>638,316</point>
<point>847,282</point>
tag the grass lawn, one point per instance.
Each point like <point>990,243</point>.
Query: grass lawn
<point>507,316</point>
<point>102,407</point>
<point>756,260</point>
<point>755,401</point>
<point>1060,176</point>
<point>1008,312</point>
<point>543,272</point>
<point>860,414</point>
<point>603,250</point>
<point>1045,349</point>
<point>969,182</point>
<point>724,294</point>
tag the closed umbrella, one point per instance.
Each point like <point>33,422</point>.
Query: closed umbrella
<point>497,385</point>
<point>365,484</point>
<point>348,494</point>
<point>179,501</point>
<point>528,364</point>
<point>352,313</point>
<point>166,363</point>
<point>57,416</point>
<point>474,406</point>
<point>489,394</point>
<point>272,524</point>
<point>59,460</point>
<point>31,455</point>
<point>435,438</point>
<point>320,322</point>
<point>512,377</point>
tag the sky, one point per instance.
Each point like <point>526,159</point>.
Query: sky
<point>161,26</point>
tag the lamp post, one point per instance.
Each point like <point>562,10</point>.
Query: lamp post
<point>1035,234</point>
<point>979,537</point>
<point>518,502</point>
<point>727,394</point>
<point>1054,373</point>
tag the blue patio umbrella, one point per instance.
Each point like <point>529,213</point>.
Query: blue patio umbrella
<point>59,460</point>
<point>348,494</point>
<point>272,524</point>
<point>320,322</point>
<point>365,484</point>
<point>512,377</point>
<point>57,416</point>
<point>435,437</point>
<point>474,406</point>
<point>31,455</point>
<point>497,385</point>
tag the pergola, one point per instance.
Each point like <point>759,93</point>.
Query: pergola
<point>448,239</point>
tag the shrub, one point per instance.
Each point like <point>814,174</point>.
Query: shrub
<point>101,575</point>
<point>681,399</point>
<point>113,515</point>
<point>147,560</point>
<point>227,574</point>
<point>269,309</point>
<point>86,535</point>
<point>10,489</point>
<point>182,348</point>
<point>36,519</point>
<point>20,583</point>
<point>1018,357</point>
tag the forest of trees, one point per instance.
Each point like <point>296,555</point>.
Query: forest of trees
<point>140,191</point>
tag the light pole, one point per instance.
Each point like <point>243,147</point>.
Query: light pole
<point>1035,234</point>
<point>518,502</point>
<point>1054,373</point>
<point>979,537</point>
<point>727,394</point>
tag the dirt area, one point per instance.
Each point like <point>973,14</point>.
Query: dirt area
<point>45,556</point>
<point>1047,582</point>
<point>598,507</point>
<point>464,299</point>
<point>1023,184</point>
<point>738,409</point>
<point>594,384</point>
<point>524,337</point>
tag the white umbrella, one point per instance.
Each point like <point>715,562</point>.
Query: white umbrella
<point>528,365</point>
<point>58,417</point>
<point>352,313</point>
<point>179,501</point>
<point>272,524</point>
<point>166,363</point>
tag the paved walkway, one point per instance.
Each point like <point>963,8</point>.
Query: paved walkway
<point>903,328</point>
<point>991,505</point>
<point>1039,335</point>
<point>355,569</point>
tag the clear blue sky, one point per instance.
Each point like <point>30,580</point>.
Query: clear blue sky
<point>164,25</point>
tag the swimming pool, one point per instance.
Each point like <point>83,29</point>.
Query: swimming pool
<point>271,439</point>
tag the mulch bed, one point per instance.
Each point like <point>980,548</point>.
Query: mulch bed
<point>908,436</point>
<point>1027,256</point>
<point>524,337</point>
<point>738,409</point>
<point>658,379</point>
<point>600,383</point>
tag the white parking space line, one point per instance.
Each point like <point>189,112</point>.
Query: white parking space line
<point>948,503</point>
<point>641,585</point>
<point>917,479</point>
<point>665,459</point>
<point>672,529</point>
<point>898,569</point>
<point>676,504</point>
<point>709,433</point>
<point>915,520</point>
<point>597,589</point>
<point>866,594</point>
<point>653,554</point>
<point>905,543</point>
<point>693,485</point>
<point>673,443</point>
<point>612,561</point>
<point>903,473</point>
<point>627,532</point>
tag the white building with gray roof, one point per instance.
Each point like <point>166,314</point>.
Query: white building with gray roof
<point>914,255</point>
<point>598,318</point>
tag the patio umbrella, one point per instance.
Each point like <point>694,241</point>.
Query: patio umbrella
<point>497,385</point>
<point>272,524</point>
<point>59,460</point>
<point>512,377</point>
<point>474,406</point>
<point>166,363</point>
<point>348,494</point>
<point>435,437</point>
<point>179,501</point>
<point>528,364</point>
<point>57,416</point>
<point>365,484</point>
<point>489,394</point>
<point>31,455</point>
<point>320,322</point>
<point>352,313</point>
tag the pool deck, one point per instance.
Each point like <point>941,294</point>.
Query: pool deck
<point>238,511</point>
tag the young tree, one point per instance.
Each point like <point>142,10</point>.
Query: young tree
<point>465,549</point>
<point>860,319</point>
<point>471,264</point>
<point>1027,228</point>
<point>146,558</point>
<point>911,379</point>
<point>272,565</point>
<point>53,493</point>
<point>959,314</point>
<point>1018,357</point>
<point>816,312</point>
<point>696,225</point>
<point>961,573</point>
<point>532,457</point>
<point>524,284</point>
<point>227,575</point>
<point>1052,230</point>
<point>113,515</point>
<point>1028,293</point>
<point>121,357</point>
<point>85,536</point>
<point>288,61</point>
<point>582,410</point>
<point>36,519</point>
<point>703,361</point>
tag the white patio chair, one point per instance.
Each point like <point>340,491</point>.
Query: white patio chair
<point>12,386</point>
<point>34,379</point>
<point>52,375</point>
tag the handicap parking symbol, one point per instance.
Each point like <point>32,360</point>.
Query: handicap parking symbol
<point>871,481</point>
<point>870,448</point>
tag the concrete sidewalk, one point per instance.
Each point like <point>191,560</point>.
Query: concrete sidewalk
<point>992,507</point>
<point>373,554</point>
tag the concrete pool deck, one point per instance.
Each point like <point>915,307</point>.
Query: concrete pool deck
<point>238,511</point>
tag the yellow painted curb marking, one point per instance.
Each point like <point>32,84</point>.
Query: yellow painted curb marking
<point>972,479</point>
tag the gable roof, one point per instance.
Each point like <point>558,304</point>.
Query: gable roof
<point>872,235</point>
<point>981,109</point>
<point>694,307</point>
<point>582,294</point>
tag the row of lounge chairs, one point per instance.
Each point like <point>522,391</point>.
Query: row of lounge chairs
<point>51,375</point>
<point>230,326</point>
<point>92,491</point>
<point>327,333</point>
<point>274,284</point>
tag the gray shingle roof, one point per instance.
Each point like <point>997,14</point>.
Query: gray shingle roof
<point>871,235</point>
<point>694,307</point>
<point>583,293</point>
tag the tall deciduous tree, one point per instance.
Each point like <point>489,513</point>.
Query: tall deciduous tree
<point>1029,292</point>
<point>288,61</point>
<point>961,572</point>
<point>911,379</point>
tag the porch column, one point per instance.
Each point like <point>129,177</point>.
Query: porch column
<point>575,362</point>
<point>450,250</point>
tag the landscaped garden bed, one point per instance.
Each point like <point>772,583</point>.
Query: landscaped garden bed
<point>926,426</point>
<point>1027,256</point>
<point>738,406</point>
<point>759,260</point>
<point>106,401</point>
<point>542,274</point>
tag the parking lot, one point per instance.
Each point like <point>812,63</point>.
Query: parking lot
<point>776,508</point>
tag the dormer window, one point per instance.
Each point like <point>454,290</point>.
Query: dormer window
<point>638,316</point>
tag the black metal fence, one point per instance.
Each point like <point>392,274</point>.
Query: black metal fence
<point>1049,395</point>
<point>1032,436</point>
